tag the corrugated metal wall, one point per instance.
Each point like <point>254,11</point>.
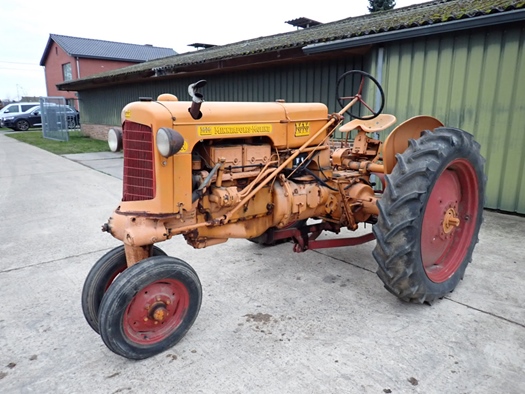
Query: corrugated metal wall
<point>474,81</point>
<point>314,82</point>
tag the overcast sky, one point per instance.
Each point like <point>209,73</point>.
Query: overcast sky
<point>26,26</point>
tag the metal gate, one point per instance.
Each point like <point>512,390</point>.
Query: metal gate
<point>54,118</point>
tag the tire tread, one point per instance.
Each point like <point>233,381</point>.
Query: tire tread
<point>402,206</point>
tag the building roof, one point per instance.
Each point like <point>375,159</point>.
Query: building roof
<point>442,13</point>
<point>198,45</point>
<point>107,50</point>
<point>303,22</point>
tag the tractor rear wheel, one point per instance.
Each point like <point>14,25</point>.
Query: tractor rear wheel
<point>150,307</point>
<point>430,215</point>
<point>100,277</point>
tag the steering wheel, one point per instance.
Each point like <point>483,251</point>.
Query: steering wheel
<point>359,94</point>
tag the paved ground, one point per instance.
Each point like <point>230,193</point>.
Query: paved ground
<point>107,162</point>
<point>271,321</point>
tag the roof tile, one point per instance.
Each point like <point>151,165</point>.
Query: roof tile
<point>432,12</point>
<point>108,50</point>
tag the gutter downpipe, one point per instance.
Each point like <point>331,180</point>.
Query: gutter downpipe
<point>379,77</point>
<point>78,67</point>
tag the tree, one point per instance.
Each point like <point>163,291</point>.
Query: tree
<point>381,5</point>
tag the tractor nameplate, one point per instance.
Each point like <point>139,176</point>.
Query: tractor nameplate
<point>234,129</point>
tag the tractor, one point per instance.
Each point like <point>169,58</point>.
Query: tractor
<point>271,172</point>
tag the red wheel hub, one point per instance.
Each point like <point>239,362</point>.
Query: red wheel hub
<point>156,311</point>
<point>449,220</point>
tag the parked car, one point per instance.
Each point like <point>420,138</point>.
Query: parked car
<point>33,118</point>
<point>15,109</point>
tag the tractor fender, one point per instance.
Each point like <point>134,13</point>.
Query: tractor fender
<point>397,141</point>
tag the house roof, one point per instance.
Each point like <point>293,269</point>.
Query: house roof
<point>107,50</point>
<point>275,47</point>
<point>303,22</point>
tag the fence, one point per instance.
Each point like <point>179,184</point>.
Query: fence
<point>54,118</point>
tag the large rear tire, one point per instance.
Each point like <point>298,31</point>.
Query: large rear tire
<point>430,215</point>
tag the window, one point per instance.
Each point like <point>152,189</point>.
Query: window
<point>66,70</point>
<point>27,107</point>
<point>13,108</point>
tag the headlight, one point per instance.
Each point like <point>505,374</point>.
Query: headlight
<point>9,118</point>
<point>115,140</point>
<point>169,141</point>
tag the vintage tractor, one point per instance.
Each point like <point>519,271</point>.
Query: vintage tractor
<point>270,172</point>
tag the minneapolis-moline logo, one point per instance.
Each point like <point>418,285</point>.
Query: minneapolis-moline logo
<point>205,130</point>
<point>234,129</point>
<point>302,129</point>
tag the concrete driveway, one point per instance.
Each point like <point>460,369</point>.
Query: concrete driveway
<point>271,321</point>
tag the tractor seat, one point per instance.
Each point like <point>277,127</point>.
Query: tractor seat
<point>375,125</point>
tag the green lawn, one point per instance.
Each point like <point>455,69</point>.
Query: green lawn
<point>77,143</point>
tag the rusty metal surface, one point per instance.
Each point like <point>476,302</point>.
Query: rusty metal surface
<point>397,140</point>
<point>227,201</point>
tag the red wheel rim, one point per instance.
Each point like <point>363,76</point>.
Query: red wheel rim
<point>449,221</point>
<point>117,272</point>
<point>156,311</point>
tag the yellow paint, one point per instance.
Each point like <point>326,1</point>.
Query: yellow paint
<point>173,180</point>
<point>302,129</point>
<point>234,129</point>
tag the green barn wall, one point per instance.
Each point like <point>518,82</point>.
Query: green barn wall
<point>474,81</point>
<point>302,82</point>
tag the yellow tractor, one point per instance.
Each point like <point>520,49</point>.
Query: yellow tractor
<point>273,172</point>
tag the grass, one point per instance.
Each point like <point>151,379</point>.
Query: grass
<point>77,143</point>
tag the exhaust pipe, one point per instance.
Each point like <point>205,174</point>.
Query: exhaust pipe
<point>197,99</point>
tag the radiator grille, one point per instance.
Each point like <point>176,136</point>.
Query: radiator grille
<point>139,178</point>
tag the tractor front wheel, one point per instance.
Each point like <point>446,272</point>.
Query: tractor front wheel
<point>149,307</point>
<point>430,215</point>
<point>100,277</point>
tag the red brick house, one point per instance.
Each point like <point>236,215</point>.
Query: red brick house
<point>68,58</point>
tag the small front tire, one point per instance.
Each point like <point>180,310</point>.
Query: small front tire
<point>150,307</point>
<point>100,277</point>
